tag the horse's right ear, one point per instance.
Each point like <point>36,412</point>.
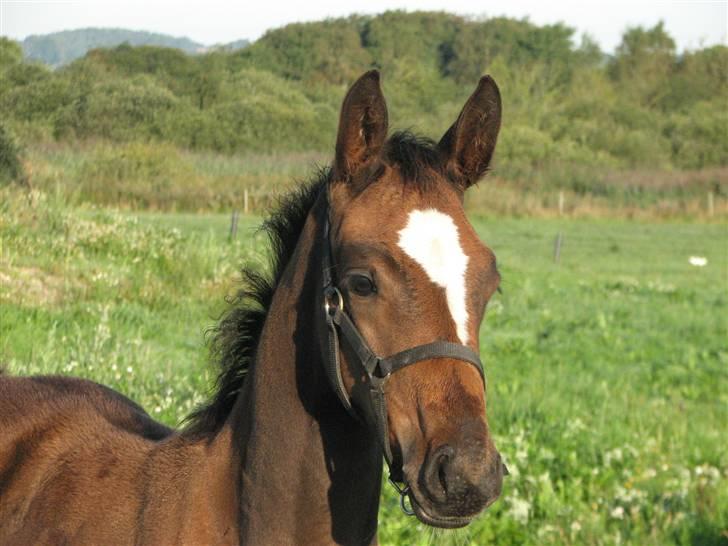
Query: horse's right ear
<point>362,126</point>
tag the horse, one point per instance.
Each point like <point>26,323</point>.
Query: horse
<point>359,345</point>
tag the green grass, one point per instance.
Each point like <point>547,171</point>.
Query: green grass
<point>608,373</point>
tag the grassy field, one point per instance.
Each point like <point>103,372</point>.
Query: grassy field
<point>608,372</point>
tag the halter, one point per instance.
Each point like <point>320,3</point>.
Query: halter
<point>378,369</point>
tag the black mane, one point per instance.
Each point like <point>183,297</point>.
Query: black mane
<point>235,338</point>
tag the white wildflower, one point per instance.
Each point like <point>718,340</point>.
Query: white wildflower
<point>519,510</point>
<point>613,455</point>
<point>522,456</point>
<point>707,474</point>
<point>575,425</point>
<point>617,513</point>
<point>698,261</point>
<point>545,530</point>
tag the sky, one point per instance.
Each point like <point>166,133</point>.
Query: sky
<point>692,23</point>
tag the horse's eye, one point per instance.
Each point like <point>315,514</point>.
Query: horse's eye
<point>362,285</point>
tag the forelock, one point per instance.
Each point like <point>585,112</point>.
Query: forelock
<point>417,158</point>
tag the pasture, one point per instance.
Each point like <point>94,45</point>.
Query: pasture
<point>608,372</point>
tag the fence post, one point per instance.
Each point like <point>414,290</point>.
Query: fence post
<point>557,247</point>
<point>711,204</point>
<point>234,225</point>
<point>561,202</point>
<point>245,201</point>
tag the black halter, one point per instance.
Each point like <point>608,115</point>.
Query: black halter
<point>378,369</point>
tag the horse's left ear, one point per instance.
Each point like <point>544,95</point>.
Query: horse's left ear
<point>468,145</point>
<point>362,126</point>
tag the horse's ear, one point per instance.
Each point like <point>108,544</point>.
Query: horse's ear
<point>362,126</point>
<point>469,144</point>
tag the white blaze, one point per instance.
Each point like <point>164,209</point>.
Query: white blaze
<point>431,239</point>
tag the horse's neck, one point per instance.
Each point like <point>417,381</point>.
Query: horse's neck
<point>308,474</point>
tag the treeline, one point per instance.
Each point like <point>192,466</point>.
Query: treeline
<point>565,103</point>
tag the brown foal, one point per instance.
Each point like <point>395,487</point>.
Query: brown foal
<point>277,457</point>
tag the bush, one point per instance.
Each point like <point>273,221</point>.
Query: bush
<point>524,146</point>
<point>120,110</point>
<point>132,161</point>
<point>132,174</point>
<point>266,113</point>
<point>699,138</point>
<point>11,168</point>
<point>38,101</point>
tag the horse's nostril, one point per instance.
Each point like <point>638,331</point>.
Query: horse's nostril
<point>463,481</point>
<point>443,461</point>
<point>438,472</point>
<point>443,480</point>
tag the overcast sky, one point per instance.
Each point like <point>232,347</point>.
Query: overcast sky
<point>693,23</point>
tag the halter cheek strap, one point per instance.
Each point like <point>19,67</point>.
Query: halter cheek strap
<point>377,369</point>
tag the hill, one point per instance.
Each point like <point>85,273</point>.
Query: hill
<point>231,46</point>
<point>59,48</point>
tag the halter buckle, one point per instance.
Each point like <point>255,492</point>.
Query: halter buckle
<point>330,306</point>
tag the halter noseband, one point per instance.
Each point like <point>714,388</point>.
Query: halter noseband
<point>378,369</point>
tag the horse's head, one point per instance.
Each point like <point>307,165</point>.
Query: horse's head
<point>412,271</point>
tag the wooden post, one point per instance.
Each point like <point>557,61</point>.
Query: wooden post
<point>557,247</point>
<point>245,201</point>
<point>711,204</point>
<point>561,202</point>
<point>234,225</point>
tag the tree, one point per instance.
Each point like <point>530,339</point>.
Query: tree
<point>396,37</point>
<point>327,52</point>
<point>10,53</point>
<point>643,63</point>
<point>515,43</point>
<point>208,78</point>
<point>699,76</point>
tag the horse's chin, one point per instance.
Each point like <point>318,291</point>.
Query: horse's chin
<point>435,520</point>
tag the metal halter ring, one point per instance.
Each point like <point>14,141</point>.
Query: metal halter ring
<point>404,493</point>
<point>408,511</point>
<point>329,292</point>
